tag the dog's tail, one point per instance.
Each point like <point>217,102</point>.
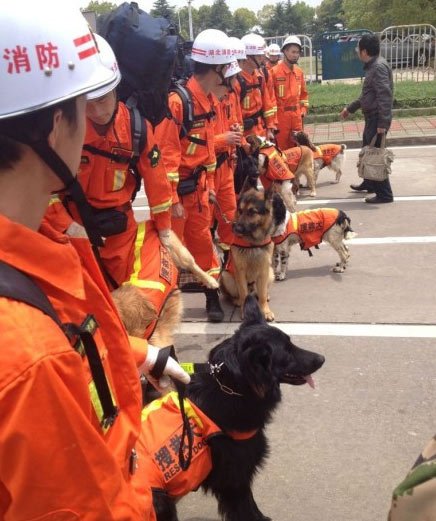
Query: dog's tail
<point>343,147</point>
<point>345,223</point>
<point>303,139</point>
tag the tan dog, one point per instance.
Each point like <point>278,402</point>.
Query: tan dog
<point>300,161</point>
<point>308,229</point>
<point>150,313</point>
<point>249,267</point>
<point>328,155</point>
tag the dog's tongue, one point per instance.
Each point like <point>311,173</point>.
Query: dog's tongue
<point>310,381</point>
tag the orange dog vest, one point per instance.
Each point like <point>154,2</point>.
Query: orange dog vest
<point>309,225</point>
<point>293,157</point>
<point>327,152</point>
<point>162,431</point>
<point>278,168</point>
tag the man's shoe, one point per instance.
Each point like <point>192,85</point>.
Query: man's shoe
<point>377,200</point>
<point>360,188</point>
<point>214,310</point>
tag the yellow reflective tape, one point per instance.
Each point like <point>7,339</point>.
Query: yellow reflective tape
<point>54,199</point>
<point>161,207</point>
<point>214,271</point>
<point>173,176</point>
<point>119,180</point>
<point>211,167</point>
<point>281,91</point>
<point>192,146</point>
<point>148,284</point>
<point>139,241</point>
<point>305,103</point>
<point>294,221</point>
<point>268,113</point>
<point>157,404</point>
<point>95,400</point>
<point>246,102</point>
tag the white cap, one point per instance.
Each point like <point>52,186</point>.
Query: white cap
<point>238,48</point>
<point>213,47</point>
<point>254,44</point>
<point>108,59</point>
<point>273,50</point>
<point>232,69</point>
<point>292,40</point>
<point>49,55</point>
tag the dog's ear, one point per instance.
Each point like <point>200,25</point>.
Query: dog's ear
<point>256,364</point>
<point>252,313</point>
<point>279,209</point>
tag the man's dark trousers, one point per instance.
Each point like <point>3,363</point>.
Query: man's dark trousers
<point>382,189</point>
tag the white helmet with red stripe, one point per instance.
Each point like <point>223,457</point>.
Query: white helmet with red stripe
<point>49,55</point>
<point>232,69</point>
<point>254,44</point>
<point>238,48</point>
<point>213,47</point>
<point>108,59</point>
<point>273,50</point>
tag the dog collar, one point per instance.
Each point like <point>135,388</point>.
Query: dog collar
<point>242,243</point>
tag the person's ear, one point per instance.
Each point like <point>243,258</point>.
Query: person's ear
<point>53,136</point>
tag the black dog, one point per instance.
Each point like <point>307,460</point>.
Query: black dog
<point>246,171</point>
<point>238,394</point>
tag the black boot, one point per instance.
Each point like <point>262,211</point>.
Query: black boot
<point>213,307</point>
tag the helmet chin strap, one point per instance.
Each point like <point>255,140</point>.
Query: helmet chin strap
<point>252,58</point>
<point>72,186</point>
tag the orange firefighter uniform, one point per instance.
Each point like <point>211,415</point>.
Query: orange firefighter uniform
<point>309,225</point>
<point>257,105</point>
<point>110,185</point>
<point>277,166</point>
<point>327,152</point>
<point>292,101</point>
<point>186,158</point>
<point>228,113</point>
<point>162,425</point>
<point>151,269</point>
<point>46,384</point>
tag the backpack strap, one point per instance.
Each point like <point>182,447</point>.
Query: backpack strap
<point>245,88</point>
<point>138,130</point>
<point>16,285</point>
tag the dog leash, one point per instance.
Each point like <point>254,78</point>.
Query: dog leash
<point>218,207</point>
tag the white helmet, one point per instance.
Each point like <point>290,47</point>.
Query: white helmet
<point>238,48</point>
<point>232,69</point>
<point>213,47</point>
<point>291,40</point>
<point>254,44</point>
<point>49,56</point>
<point>273,50</point>
<point>108,59</point>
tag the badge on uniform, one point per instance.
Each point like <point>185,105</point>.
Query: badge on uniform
<point>154,156</point>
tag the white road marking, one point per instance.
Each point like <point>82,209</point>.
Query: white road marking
<point>391,240</point>
<point>308,329</point>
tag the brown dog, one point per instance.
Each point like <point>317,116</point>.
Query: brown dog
<point>152,308</point>
<point>300,161</point>
<point>249,267</point>
<point>328,155</point>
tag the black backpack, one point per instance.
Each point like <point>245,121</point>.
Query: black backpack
<point>189,119</point>
<point>146,50</point>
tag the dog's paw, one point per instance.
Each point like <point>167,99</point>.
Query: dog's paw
<point>312,194</point>
<point>269,316</point>
<point>338,268</point>
<point>237,302</point>
<point>212,283</point>
<point>280,276</point>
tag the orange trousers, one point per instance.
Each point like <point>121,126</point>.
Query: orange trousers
<point>194,229</point>
<point>225,195</point>
<point>288,122</point>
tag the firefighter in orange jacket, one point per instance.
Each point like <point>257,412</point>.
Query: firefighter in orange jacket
<point>75,430</point>
<point>291,94</point>
<point>190,157</point>
<point>258,107</point>
<point>272,54</point>
<point>109,183</point>
<point>228,135</point>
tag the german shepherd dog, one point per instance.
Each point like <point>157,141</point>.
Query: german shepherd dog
<point>327,155</point>
<point>137,312</point>
<point>250,262</point>
<point>230,404</point>
<point>309,228</point>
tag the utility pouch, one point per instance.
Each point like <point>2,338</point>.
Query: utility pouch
<point>189,185</point>
<point>110,221</point>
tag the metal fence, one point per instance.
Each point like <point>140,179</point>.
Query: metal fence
<point>409,49</point>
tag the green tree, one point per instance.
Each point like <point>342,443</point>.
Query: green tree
<point>100,7</point>
<point>329,13</point>
<point>416,12</point>
<point>204,14</point>
<point>367,14</point>
<point>264,15</point>
<point>220,16</point>
<point>161,8</point>
<point>182,19</point>
<point>305,14</point>
<point>243,21</point>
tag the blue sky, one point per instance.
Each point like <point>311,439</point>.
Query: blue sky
<point>254,5</point>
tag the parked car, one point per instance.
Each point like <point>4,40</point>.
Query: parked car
<point>413,50</point>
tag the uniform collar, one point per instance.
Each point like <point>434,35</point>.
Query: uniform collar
<point>120,123</point>
<point>45,256</point>
<point>205,101</point>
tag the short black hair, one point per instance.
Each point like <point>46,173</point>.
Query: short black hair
<point>202,68</point>
<point>35,126</point>
<point>370,43</point>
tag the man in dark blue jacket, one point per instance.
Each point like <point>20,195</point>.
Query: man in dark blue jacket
<point>376,102</point>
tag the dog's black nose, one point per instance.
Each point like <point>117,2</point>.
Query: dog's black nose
<point>319,361</point>
<point>238,228</point>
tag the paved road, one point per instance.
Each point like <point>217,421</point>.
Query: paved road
<point>337,452</point>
